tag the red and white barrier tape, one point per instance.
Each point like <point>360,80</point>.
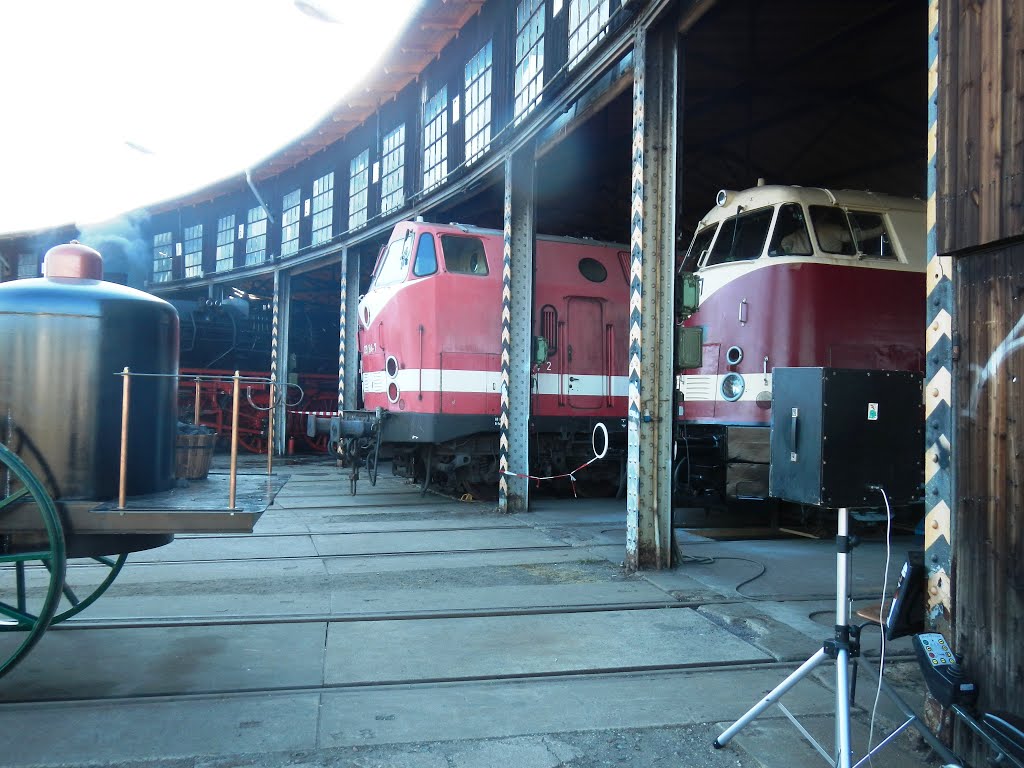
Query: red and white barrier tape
<point>572,475</point>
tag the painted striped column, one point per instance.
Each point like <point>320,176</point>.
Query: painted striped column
<point>938,374</point>
<point>506,345</point>
<point>635,299</point>
<point>275,323</point>
<point>342,314</point>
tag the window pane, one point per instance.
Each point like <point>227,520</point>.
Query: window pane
<point>741,237</point>
<point>790,237</point>
<point>872,236</point>
<point>426,256</point>
<point>832,230</point>
<point>464,255</point>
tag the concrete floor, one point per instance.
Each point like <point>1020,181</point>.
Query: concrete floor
<point>387,629</point>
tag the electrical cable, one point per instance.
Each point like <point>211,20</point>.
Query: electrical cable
<point>708,560</point>
<point>881,614</point>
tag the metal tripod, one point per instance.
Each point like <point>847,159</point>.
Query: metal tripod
<point>840,648</point>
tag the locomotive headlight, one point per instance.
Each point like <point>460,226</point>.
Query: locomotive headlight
<point>732,387</point>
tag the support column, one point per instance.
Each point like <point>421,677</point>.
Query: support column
<point>517,329</point>
<point>342,330</point>
<point>351,266</point>
<point>279,362</point>
<point>939,433</point>
<point>652,278</point>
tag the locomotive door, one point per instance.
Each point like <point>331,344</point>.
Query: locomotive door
<point>585,366</point>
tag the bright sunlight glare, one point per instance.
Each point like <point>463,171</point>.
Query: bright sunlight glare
<point>114,104</point>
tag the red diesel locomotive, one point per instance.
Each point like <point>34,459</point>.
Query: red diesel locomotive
<point>430,343</point>
<point>788,276</point>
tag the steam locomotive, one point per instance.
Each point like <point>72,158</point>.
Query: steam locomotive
<point>430,342</point>
<point>787,276</point>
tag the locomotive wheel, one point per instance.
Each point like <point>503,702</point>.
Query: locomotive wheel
<point>19,492</point>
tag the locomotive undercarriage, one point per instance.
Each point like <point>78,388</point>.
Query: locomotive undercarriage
<point>470,465</point>
<point>715,465</point>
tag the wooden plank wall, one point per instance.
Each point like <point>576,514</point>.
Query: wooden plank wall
<point>979,173</point>
<point>988,576</point>
<point>981,122</point>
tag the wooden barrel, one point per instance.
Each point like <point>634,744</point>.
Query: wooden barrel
<point>193,454</point>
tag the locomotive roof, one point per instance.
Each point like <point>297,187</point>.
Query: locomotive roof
<point>469,229</point>
<point>772,194</point>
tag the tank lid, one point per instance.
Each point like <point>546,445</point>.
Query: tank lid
<point>73,260</point>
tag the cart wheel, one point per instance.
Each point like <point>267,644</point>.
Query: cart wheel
<point>77,604</point>
<point>23,497</point>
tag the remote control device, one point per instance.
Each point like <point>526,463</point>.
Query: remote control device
<point>942,672</point>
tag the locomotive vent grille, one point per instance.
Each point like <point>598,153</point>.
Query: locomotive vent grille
<point>699,387</point>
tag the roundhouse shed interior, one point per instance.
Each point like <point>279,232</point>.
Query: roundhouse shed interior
<point>796,92</point>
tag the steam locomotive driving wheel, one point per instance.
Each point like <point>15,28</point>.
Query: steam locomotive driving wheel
<point>26,611</point>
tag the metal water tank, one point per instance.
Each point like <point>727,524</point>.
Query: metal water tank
<point>63,339</point>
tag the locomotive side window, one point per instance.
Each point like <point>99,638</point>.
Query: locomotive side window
<point>700,245</point>
<point>464,255</point>
<point>741,237</point>
<point>395,265</point>
<point>832,230</point>
<point>426,256</point>
<point>872,235</point>
<point>790,237</point>
<point>593,270</point>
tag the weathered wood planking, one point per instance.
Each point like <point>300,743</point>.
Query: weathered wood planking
<point>981,116</point>
<point>988,542</point>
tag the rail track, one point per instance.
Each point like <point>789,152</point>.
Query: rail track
<point>412,609</point>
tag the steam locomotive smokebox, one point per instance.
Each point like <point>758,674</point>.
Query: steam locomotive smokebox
<point>837,431</point>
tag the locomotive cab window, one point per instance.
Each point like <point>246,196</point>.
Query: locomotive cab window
<point>871,235</point>
<point>394,265</point>
<point>698,249</point>
<point>741,237</point>
<point>790,237</point>
<point>464,255</point>
<point>832,229</point>
<point>426,256</point>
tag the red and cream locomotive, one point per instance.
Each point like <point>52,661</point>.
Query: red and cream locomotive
<point>788,276</point>
<point>430,345</point>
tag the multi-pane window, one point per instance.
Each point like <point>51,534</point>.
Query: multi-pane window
<point>323,208</point>
<point>588,20</point>
<point>225,243</point>
<point>163,261</point>
<point>478,103</point>
<point>529,56</point>
<point>392,184</point>
<point>256,237</point>
<point>358,185</point>
<point>193,251</point>
<point>290,223</point>
<point>435,139</point>
<point>28,266</point>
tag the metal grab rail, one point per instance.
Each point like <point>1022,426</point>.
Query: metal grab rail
<point>236,380</point>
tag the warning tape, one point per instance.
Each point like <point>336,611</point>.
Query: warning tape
<point>571,475</point>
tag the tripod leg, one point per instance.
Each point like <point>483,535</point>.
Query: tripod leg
<point>777,693</point>
<point>843,709</point>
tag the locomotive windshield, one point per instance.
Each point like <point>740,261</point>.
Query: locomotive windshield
<point>741,237</point>
<point>394,265</point>
<point>698,248</point>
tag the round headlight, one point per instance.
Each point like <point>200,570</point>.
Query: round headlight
<point>732,387</point>
<point>391,366</point>
<point>392,392</point>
